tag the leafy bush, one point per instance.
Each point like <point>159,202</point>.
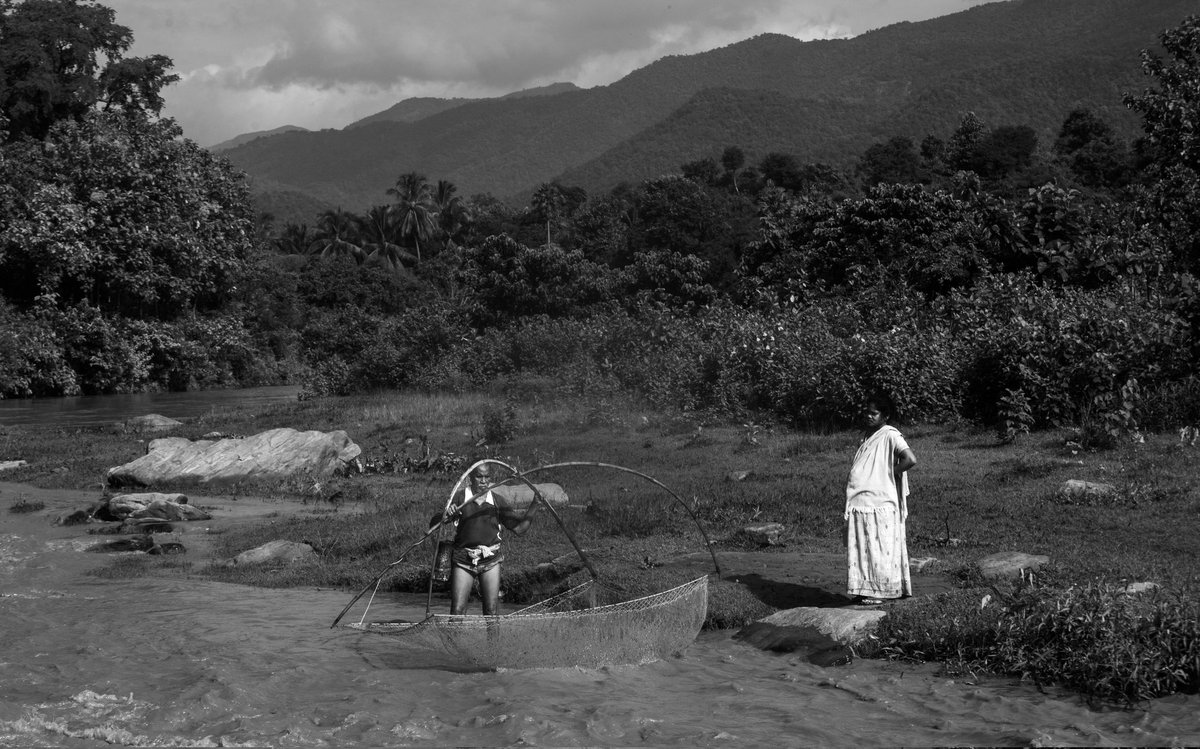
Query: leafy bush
<point>1069,353</point>
<point>1095,638</point>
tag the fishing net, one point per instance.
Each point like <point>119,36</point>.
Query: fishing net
<point>575,628</point>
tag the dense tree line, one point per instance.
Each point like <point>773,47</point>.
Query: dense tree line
<point>978,273</point>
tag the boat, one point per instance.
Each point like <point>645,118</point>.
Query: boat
<point>564,631</point>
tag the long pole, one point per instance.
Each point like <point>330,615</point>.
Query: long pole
<point>379,577</point>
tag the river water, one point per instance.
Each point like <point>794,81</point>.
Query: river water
<point>187,662</point>
<point>100,410</point>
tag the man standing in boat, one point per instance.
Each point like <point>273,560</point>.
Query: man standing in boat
<point>477,551</point>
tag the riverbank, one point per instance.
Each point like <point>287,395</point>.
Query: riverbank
<point>971,497</point>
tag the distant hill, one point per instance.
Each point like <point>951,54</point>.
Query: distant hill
<point>410,110</point>
<point>549,90</point>
<point>225,145</point>
<point>418,108</point>
<point>1015,62</point>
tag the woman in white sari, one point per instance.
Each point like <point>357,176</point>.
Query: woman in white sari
<point>876,510</point>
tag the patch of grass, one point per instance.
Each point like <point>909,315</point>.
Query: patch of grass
<point>24,505</point>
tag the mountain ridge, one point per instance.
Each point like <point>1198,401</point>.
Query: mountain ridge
<point>1011,62</point>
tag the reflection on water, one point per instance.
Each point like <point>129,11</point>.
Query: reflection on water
<point>99,410</point>
<point>188,662</point>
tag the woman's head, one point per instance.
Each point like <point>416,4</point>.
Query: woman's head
<point>878,409</point>
<point>481,476</point>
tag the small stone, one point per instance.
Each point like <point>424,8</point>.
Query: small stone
<point>916,564</point>
<point>766,534</point>
<point>1076,490</point>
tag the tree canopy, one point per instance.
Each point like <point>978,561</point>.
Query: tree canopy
<point>60,59</point>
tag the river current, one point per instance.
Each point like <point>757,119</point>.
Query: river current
<point>187,662</point>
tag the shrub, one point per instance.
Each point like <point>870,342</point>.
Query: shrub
<point>1093,638</point>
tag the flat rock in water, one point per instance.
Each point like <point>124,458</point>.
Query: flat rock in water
<point>1010,563</point>
<point>287,552</point>
<point>271,455</point>
<point>818,647</point>
<point>843,625</point>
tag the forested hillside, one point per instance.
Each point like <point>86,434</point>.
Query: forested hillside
<point>1017,62</point>
<point>1015,273</point>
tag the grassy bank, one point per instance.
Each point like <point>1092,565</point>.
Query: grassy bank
<point>971,497</point>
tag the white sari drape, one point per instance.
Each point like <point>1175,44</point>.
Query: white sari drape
<point>876,511</point>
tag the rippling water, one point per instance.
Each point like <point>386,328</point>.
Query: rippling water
<point>185,662</point>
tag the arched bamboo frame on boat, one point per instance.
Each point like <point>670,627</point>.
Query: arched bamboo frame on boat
<point>651,479</point>
<point>537,497</point>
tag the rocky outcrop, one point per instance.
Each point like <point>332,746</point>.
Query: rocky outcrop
<point>150,505</point>
<point>270,455</point>
<point>283,552</point>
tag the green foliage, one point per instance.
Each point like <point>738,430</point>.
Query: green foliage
<point>1066,351</point>
<point>1015,416</point>
<point>24,506</point>
<point>500,423</point>
<point>117,212</point>
<point>505,279</point>
<point>50,66</point>
<point>1093,638</point>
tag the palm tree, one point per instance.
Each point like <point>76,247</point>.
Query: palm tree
<point>453,215</point>
<point>338,234</point>
<point>381,237</point>
<point>548,202</point>
<point>295,239</point>
<point>414,208</point>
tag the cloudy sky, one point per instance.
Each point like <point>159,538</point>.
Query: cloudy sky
<point>248,65</point>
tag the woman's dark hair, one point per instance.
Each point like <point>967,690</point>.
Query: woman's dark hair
<point>883,402</point>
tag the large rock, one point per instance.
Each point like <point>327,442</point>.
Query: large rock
<point>825,635</point>
<point>520,496</point>
<point>150,505</point>
<point>270,455</point>
<point>1010,564</point>
<point>845,625</point>
<point>285,552</point>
